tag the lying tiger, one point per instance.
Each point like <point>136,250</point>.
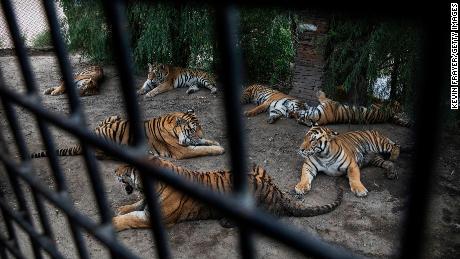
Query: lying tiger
<point>277,103</point>
<point>177,135</point>
<point>326,151</point>
<point>87,82</point>
<point>162,78</point>
<point>329,112</point>
<point>177,207</point>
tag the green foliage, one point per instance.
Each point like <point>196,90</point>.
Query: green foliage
<point>183,35</point>
<point>88,31</point>
<point>268,44</point>
<point>42,40</point>
<point>359,51</point>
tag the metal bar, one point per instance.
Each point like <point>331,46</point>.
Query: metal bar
<point>11,248</point>
<point>45,242</point>
<point>227,26</point>
<point>102,232</point>
<point>116,18</point>
<point>229,205</point>
<point>20,197</point>
<point>157,228</point>
<point>77,114</point>
<point>427,131</point>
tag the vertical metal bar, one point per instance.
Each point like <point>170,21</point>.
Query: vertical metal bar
<point>227,22</point>
<point>12,178</point>
<point>76,110</point>
<point>116,18</point>
<point>433,56</point>
<point>158,231</point>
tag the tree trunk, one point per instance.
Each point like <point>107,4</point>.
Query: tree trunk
<point>394,81</point>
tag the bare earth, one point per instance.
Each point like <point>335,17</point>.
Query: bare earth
<point>368,226</point>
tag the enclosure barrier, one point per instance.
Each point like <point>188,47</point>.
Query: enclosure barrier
<point>238,207</point>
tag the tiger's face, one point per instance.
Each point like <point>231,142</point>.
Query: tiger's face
<point>157,74</point>
<point>128,176</point>
<point>188,129</point>
<point>306,116</point>
<point>316,141</point>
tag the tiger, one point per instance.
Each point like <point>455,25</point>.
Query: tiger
<point>162,78</point>
<point>324,150</point>
<point>177,135</point>
<point>177,207</point>
<point>277,103</point>
<point>86,80</point>
<point>329,112</point>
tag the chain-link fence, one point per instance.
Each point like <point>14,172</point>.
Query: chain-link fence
<point>32,23</point>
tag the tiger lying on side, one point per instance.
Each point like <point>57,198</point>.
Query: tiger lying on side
<point>326,151</point>
<point>87,82</point>
<point>177,135</point>
<point>162,78</point>
<point>329,112</point>
<point>177,207</point>
<point>277,103</point>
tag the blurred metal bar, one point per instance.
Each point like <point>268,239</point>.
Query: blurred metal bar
<point>154,207</point>
<point>433,56</point>
<point>230,72</point>
<point>101,232</point>
<point>116,18</point>
<point>11,248</point>
<point>77,113</point>
<point>45,242</point>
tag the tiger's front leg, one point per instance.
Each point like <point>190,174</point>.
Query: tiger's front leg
<point>134,219</point>
<point>354,178</point>
<point>307,175</point>
<point>58,91</point>
<point>164,87</point>
<point>192,89</point>
<point>137,206</point>
<point>197,151</point>
<point>390,171</point>
<point>207,142</point>
<point>256,110</point>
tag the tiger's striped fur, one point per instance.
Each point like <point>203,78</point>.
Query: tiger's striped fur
<point>177,207</point>
<point>162,78</point>
<point>326,151</point>
<point>277,103</point>
<point>329,112</point>
<point>177,135</point>
<point>86,80</point>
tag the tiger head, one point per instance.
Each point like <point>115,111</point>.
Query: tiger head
<point>316,141</point>
<point>307,116</point>
<point>129,177</point>
<point>187,128</point>
<point>157,74</point>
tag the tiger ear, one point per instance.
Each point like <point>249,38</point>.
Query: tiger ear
<point>150,67</point>
<point>190,111</point>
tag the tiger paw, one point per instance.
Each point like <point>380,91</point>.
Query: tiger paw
<point>123,210</point>
<point>359,190</point>
<point>48,91</point>
<point>301,188</point>
<point>214,90</point>
<point>247,114</point>
<point>150,94</point>
<point>271,120</point>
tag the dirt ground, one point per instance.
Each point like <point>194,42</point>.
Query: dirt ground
<point>368,226</point>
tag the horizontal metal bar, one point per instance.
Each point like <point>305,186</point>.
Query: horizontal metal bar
<point>260,221</point>
<point>63,203</point>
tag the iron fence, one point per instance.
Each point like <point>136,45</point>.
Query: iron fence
<point>238,206</point>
